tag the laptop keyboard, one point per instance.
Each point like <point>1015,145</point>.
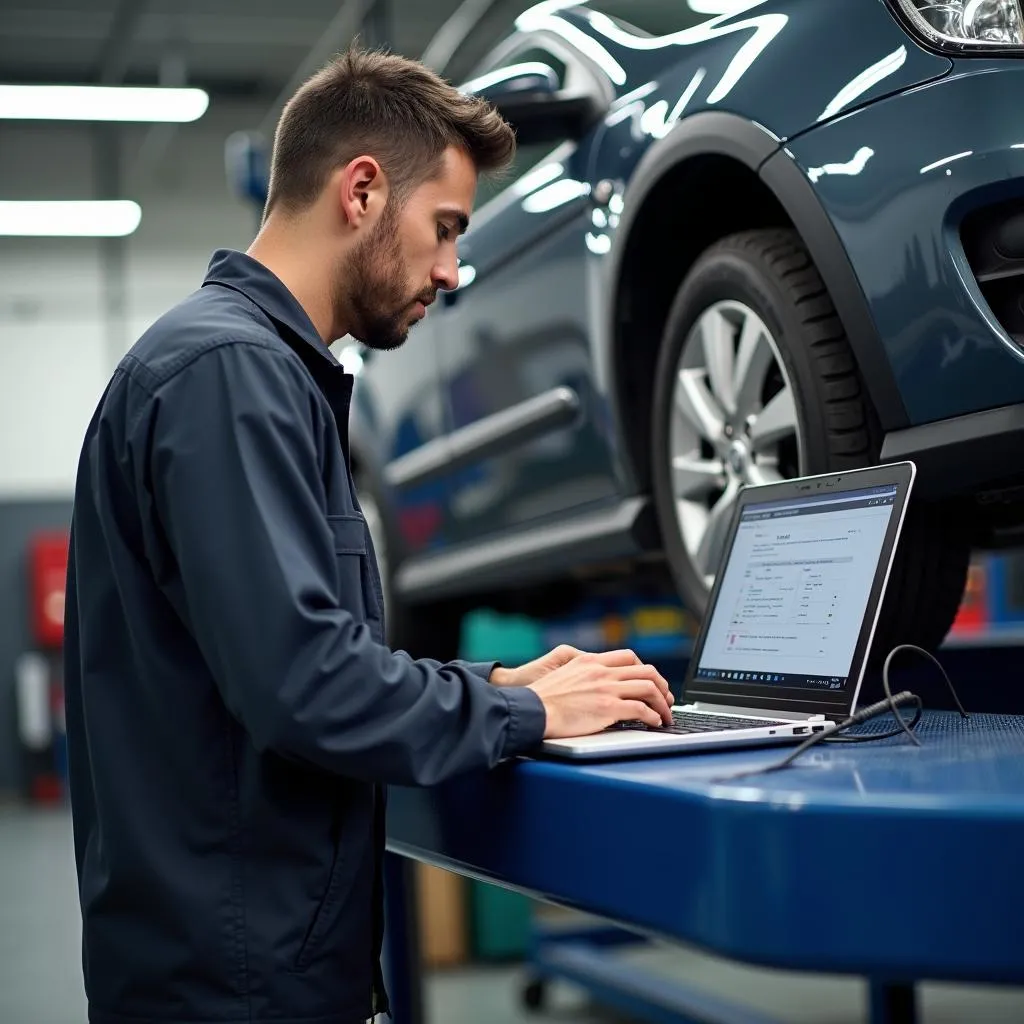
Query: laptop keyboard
<point>689,722</point>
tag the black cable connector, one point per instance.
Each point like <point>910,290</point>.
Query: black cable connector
<point>891,703</point>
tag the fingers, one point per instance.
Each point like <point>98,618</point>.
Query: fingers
<point>563,654</point>
<point>650,693</point>
<point>613,659</point>
<point>645,672</point>
<point>622,659</point>
<point>638,711</point>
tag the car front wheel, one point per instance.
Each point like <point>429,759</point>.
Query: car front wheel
<point>757,382</point>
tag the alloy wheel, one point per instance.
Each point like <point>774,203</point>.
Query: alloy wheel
<point>734,423</point>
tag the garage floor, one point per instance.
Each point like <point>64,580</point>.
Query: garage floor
<point>40,976</point>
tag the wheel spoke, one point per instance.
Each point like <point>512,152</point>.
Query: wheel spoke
<point>762,473</point>
<point>710,548</point>
<point>775,422</point>
<point>694,478</point>
<point>717,338</point>
<point>693,521</point>
<point>753,361</point>
<point>698,406</point>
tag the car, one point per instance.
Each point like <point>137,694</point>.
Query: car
<point>742,240</point>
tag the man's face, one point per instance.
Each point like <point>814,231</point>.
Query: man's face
<point>395,273</point>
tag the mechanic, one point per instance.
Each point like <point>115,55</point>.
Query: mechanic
<point>232,711</point>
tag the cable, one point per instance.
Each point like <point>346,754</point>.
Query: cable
<point>935,661</point>
<point>891,703</point>
<point>904,727</point>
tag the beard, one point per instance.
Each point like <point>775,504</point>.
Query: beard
<point>372,286</point>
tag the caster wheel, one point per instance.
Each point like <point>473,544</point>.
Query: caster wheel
<point>533,996</point>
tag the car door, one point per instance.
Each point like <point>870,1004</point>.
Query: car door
<point>516,366</point>
<point>398,412</point>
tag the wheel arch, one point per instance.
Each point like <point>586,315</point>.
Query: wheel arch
<point>715,174</point>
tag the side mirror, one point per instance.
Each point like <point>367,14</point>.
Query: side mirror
<point>529,98</point>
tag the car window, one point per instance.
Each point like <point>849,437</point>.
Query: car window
<point>656,17</point>
<point>541,55</point>
<point>527,156</point>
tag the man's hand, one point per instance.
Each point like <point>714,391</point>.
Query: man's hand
<point>534,670</point>
<point>586,693</point>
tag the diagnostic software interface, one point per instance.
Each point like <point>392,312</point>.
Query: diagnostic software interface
<point>795,590</point>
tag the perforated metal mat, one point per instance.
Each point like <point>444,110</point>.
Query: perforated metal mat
<point>948,733</point>
<point>973,763</point>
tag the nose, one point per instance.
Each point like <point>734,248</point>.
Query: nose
<point>445,274</point>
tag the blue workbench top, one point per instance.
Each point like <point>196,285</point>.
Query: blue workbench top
<point>882,859</point>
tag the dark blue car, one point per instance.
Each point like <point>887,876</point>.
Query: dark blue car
<point>743,240</point>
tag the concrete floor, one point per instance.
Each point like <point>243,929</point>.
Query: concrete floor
<point>41,983</point>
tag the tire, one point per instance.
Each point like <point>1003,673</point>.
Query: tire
<point>423,631</point>
<point>767,276</point>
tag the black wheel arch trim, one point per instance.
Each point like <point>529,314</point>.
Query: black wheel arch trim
<point>791,187</point>
<point>730,135</point>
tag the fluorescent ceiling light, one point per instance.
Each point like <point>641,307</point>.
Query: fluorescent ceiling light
<point>98,219</point>
<point>101,103</point>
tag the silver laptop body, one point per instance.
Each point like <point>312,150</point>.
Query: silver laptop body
<point>784,643</point>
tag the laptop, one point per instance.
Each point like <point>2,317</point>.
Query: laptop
<point>784,642</point>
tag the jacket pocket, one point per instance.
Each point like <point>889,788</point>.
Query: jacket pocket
<point>326,908</point>
<point>358,579</point>
<point>349,533</point>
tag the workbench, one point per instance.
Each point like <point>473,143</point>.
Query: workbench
<point>883,860</point>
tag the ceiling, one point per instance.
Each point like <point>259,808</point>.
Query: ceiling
<point>245,48</point>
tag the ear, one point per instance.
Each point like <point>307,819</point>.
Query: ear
<point>363,190</point>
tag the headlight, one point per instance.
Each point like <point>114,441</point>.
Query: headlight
<point>967,24</point>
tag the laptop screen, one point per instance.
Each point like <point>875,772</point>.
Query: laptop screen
<point>793,595</point>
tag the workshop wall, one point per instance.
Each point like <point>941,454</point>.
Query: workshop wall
<point>69,308</point>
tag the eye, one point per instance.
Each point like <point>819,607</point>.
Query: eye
<point>443,232</point>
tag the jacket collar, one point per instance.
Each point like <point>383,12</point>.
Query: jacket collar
<point>244,274</point>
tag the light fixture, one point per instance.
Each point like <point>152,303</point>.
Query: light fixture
<point>101,103</point>
<point>967,25</point>
<point>69,219</point>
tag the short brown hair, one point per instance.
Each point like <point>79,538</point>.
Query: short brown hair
<point>389,107</point>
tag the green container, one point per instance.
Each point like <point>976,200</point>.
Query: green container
<point>510,639</point>
<point>502,923</point>
<point>501,920</point>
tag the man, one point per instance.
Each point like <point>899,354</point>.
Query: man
<point>232,711</point>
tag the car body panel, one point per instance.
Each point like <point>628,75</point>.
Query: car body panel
<point>397,407</point>
<point>796,91</point>
<point>530,316</point>
<point>519,329</point>
<point>896,179</point>
<point>787,65</point>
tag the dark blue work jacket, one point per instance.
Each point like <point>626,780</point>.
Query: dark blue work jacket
<point>232,711</point>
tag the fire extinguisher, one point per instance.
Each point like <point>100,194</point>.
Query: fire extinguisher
<point>37,672</point>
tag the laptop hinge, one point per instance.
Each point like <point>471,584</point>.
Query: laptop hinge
<point>732,709</point>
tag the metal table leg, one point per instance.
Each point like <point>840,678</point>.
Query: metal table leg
<point>893,1003</point>
<point>403,964</point>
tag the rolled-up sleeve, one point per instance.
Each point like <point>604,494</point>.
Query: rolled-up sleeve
<point>231,447</point>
